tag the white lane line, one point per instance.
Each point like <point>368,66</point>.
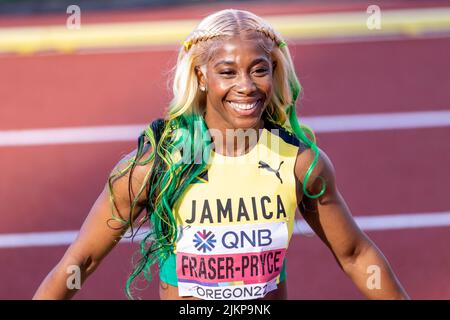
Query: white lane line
<point>70,135</point>
<point>320,124</point>
<point>379,121</point>
<point>366,223</point>
<point>390,222</point>
<point>37,239</point>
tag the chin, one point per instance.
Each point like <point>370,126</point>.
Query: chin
<point>246,123</point>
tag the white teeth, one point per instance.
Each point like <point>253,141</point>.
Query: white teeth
<point>242,106</point>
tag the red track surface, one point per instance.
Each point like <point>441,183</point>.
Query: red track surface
<point>51,188</point>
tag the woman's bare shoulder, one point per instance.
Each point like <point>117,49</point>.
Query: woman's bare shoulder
<point>125,174</point>
<point>323,167</point>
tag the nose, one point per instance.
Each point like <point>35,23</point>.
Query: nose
<point>245,84</point>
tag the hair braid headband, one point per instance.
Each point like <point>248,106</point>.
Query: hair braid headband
<point>203,35</point>
<point>198,36</point>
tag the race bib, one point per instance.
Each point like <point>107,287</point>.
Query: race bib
<point>230,262</point>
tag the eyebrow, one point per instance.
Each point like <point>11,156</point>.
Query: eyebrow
<point>230,62</point>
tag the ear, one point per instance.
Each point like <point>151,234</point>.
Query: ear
<point>200,77</point>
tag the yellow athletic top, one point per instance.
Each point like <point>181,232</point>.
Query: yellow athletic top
<point>235,222</point>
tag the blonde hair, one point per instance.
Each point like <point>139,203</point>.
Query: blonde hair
<point>199,46</point>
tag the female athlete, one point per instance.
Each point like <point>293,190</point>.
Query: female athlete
<point>217,182</point>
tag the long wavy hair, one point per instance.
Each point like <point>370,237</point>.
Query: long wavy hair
<point>169,177</point>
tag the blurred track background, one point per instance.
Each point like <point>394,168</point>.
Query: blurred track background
<point>72,103</point>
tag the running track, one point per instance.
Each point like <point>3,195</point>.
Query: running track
<point>52,187</point>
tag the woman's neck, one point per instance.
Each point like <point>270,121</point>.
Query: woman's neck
<point>231,141</point>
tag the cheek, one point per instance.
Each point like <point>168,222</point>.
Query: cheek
<point>217,88</point>
<point>223,87</point>
<point>267,88</point>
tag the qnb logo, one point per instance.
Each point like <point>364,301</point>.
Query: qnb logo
<point>204,241</point>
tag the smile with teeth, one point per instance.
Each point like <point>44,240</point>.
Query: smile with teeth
<point>243,106</point>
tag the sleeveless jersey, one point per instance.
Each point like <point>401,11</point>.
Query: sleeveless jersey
<point>235,222</point>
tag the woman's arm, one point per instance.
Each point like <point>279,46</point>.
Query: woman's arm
<point>330,218</point>
<point>98,234</point>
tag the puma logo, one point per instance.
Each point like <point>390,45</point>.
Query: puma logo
<point>264,165</point>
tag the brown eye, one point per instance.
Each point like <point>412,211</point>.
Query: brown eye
<point>262,70</point>
<point>227,72</point>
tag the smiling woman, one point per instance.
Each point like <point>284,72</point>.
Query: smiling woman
<point>220,229</point>
<point>239,79</point>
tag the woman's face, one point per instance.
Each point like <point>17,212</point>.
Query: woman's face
<point>239,84</point>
